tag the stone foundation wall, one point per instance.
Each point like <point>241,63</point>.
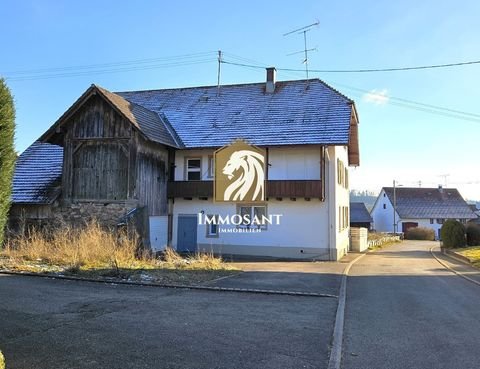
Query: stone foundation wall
<point>78,214</point>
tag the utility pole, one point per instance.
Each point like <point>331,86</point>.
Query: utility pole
<point>394,208</point>
<point>219,70</point>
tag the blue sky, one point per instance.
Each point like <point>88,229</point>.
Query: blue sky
<point>396,142</point>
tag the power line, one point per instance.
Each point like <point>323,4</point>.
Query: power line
<point>401,102</point>
<point>110,70</point>
<point>409,101</point>
<point>111,64</point>
<point>433,66</point>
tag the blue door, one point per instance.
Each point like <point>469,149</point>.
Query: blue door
<point>187,233</point>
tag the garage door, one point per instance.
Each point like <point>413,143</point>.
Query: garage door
<point>158,232</point>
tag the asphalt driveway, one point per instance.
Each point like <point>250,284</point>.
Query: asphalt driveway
<point>309,277</point>
<point>52,324</point>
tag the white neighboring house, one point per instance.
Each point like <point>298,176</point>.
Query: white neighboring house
<point>418,207</point>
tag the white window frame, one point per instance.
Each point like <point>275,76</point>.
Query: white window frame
<point>252,212</point>
<point>211,167</point>
<point>195,170</point>
<point>208,231</point>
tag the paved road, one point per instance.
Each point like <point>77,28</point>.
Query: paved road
<point>404,310</point>
<point>50,324</point>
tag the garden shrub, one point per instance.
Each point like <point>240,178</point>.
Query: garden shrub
<point>420,233</point>
<point>453,234</point>
<point>473,234</point>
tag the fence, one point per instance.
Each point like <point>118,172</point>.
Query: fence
<point>387,238</point>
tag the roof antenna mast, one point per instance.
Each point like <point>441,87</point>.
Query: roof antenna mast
<point>303,30</point>
<point>219,70</point>
<point>445,179</point>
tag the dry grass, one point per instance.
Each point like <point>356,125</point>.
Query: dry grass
<point>473,253</point>
<point>95,251</point>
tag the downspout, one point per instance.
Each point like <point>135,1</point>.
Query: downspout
<point>322,171</point>
<point>330,209</point>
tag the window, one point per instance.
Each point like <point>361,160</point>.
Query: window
<point>431,221</point>
<point>253,212</point>
<point>212,229</point>
<point>211,167</point>
<point>440,221</point>
<point>194,169</point>
<point>343,218</point>
<point>342,174</point>
<point>384,206</point>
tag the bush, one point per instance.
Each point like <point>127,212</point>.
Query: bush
<point>420,233</point>
<point>2,361</point>
<point>473,234</point>
<point>7,152</point>
<point>453,234</point>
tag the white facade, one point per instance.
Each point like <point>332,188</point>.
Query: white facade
<point>382,214</point>
<point>308,229</point>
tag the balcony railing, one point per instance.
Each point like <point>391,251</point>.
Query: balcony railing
<point>274,189</point>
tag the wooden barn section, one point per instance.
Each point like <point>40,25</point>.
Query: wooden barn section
<point>114,166</point>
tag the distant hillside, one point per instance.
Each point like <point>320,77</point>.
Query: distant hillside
<point>367,197</point>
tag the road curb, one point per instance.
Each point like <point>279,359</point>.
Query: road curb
<point>173,286</point>
<point>458,257</point>
<point>451,269</point>
<point>335,359</point>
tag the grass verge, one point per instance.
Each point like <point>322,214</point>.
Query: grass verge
<point>472,253</point>
<point>94,252</point>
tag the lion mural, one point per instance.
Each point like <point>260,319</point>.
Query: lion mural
<point>245,169</point>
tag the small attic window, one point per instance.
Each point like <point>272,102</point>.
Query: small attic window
<point>203,98</point>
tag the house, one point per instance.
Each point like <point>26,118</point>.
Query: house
<point>418,207</point>
<point>359,215</point>
<point>476,211</point>
<point>152,154</point>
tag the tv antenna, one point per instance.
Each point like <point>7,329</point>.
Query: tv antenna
<point>445,178</point>
<point>303,30</point>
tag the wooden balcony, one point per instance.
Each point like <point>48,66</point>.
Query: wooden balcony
<point>294,188</point>
<point>190,189</point>
<point>274,189</point>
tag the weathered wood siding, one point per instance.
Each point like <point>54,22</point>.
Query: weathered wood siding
<point>97,154</point>
<point>151,187</point>
<point>97,119</point>
<point>26,211</point>
<point>100,171</point>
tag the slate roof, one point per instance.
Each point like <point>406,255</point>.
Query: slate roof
<point>425,203</point>
<point>148,122</point>
<point>38,173</point>
<point>359,213</point>
<point>297,113</point>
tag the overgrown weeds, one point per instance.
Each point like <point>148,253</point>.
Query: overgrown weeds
<point>95,250</point>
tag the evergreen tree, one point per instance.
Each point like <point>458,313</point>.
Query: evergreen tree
<point>7,152</point>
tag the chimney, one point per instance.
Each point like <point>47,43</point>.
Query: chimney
<point>271,79</point>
